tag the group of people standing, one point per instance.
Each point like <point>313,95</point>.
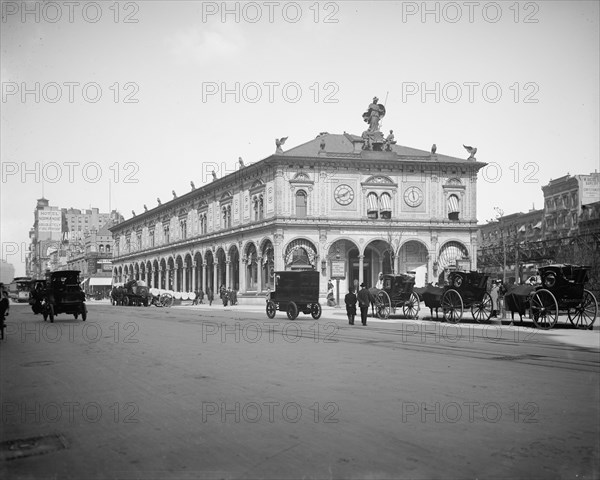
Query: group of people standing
<point>227,296</point>
<point>363,298</point>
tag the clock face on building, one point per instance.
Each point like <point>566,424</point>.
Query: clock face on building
<point>413,196</point>
<point>343,194</point>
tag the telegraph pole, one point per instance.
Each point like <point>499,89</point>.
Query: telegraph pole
<point>500,214</point>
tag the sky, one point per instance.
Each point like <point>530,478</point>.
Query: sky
<point>113,104</point>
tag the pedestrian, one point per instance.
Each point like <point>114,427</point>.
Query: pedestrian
<point>364,299</point>
<point>200,296</point>
<point>234,300</point>
<point>4,308</point>
<point>494,296</point>
<point>350,300</point>
<point>330,296</point>
<point>209,296</point>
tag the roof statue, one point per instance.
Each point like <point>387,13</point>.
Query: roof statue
<point>433,148</point>
<point>145,208</point>
<point>241,162</point>
<point>174,194</point>
<point>279,142</point>
<point>133,213</point>
<point>192,185</point>
<point>389,141</point>
<point>158,200</point>
<point>214,174</point>
<point>372,136</point>
<point>472,151</point>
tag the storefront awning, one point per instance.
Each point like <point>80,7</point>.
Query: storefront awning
<point>101,281</point>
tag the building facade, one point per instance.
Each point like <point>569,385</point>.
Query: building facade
<point>566,230</point>
<point>64,238</point>
<point>344,204</point>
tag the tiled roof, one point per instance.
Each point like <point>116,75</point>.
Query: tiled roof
<point>342,144</point>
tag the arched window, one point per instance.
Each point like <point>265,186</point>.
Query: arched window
<point>301,209</point>
<point>101,248</point>
<point>453,207</point>
<point>372,205</point>
<point>385,206</point>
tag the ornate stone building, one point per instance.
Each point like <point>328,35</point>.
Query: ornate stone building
<point>359,205</point>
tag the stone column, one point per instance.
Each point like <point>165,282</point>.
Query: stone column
<point>186,280</point>
<point>176,278</point>
<point>228,273</point>
<point>243,266</point>
<point>361,278</point>
<point>194,275</point>
<point>204,276</point>
<point>215,278</point>
<point>259,265</point>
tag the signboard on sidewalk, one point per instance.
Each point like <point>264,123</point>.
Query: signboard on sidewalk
<point>338,269</point>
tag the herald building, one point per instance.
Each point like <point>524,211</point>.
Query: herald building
<point>348,206</point>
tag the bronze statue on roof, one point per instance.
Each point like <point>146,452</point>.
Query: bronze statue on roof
<point>373,138</point>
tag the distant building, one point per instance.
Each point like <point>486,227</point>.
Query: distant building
<point>567,229</point>
<point>7,272</point>
<point>59,234</point>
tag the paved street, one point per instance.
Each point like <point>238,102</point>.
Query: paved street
<point>208,392</point>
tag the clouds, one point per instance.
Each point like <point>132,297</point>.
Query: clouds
<point>204,45</point>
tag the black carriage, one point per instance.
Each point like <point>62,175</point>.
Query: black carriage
<point>133,292</point>
<point>397,292</point>
<point>563,289</point>
<point>295,291</point>
<point>62,293</point>
<point>466,290</point>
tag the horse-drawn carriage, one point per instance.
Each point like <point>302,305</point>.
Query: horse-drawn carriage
<point>563,289</point>
<point>133,292</point>
<point>397,292</point>
<point>466,290</point>
<point>295,291</point>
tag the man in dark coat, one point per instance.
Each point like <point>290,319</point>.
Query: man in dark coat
<point>364,300</point>
<point>350,300</point>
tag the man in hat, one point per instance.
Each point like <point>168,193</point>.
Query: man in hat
<point>364,299</point>
<point>350,301</point>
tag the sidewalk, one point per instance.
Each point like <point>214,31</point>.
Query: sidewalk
<point>583,338</point>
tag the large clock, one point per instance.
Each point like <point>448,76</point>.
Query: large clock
<point>413,196</point>
<point>343,194</point>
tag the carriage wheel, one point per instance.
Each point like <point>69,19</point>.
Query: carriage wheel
<point>271,309</point>
<point>584,314</point>
<point>315,310</point>
<point>292,311</point>
<point>383,305</point>
<point>411,308</point>
<point>167,300</point>
<point>544,309</point>
<point>125,300</point>
<point>452,306</point>
<point>482,311</point>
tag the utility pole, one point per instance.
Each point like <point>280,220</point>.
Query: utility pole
<point>500,214</point>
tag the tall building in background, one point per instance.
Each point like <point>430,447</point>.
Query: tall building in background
<point>7,272</point>
<point>59,234</point>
